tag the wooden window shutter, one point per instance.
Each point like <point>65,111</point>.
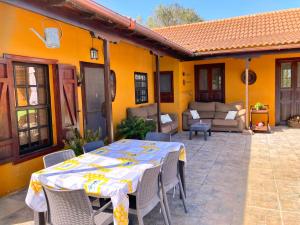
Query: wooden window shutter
<point>8,133</point>
<point>67,101</point>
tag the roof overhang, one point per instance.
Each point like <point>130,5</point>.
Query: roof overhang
<point>247,52</point>
<point>105,23</point>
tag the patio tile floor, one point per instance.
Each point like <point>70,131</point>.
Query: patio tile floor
<point>232,179</point>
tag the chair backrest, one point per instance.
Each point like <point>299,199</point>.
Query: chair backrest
<point>156,136</point>
<point>58,157</point>
<point>91,146</point>
<point>169,171</point>
<point>148,187</point>
<point>68,207</point>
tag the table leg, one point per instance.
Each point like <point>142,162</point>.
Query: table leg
<point>39,218</point>
<point>196,132</point>
<point>209,132</point>
<point>205,135</point>
<point>190,135</point>
<point>182,175</point>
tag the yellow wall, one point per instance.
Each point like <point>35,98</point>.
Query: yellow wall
<point>16,38</point>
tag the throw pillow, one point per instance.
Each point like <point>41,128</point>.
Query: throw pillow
<point>165,119</point>
<point>231,115</point>
<point>195,114</point>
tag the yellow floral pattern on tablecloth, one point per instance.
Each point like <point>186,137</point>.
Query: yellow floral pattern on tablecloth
<point>67,165</point>
<point>150,148</point>
<point>36,186</point>
<point>100,168</point>
<point>127,162</point>
<point>129,185</point>
<point>121,215</point>
<point>94,183</point>
<point>182,155</point>
<point>100,151</point>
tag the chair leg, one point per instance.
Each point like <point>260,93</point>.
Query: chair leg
<point>182,195</point>
<point>165,198</point>
<point>163,210</point>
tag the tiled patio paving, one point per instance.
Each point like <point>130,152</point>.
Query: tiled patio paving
<point>232,179</point>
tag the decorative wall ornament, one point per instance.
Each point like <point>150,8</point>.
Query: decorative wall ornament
<point>113,83</point>
<point>52,35</point>
<point>251,79</point>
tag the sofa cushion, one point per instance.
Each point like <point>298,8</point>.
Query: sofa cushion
<point>195,114</point>
<point>220,115</point>
<point>222,107</point>
<point>165,119</point>
<point>174,125</point>
<point>238,105</point>
<point>166,128</point>
<point>151,109</point>
<point>231,115</point>
<point>206,115</point>
<point>137,112</point>
<point>203,106</point>
<point>225,123</point>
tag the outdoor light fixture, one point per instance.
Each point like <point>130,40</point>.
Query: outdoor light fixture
<point>93,51</point>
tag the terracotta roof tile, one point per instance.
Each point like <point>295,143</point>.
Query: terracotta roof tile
<point>265,30</point>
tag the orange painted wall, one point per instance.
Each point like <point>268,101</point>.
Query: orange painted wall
<point>16,38</point>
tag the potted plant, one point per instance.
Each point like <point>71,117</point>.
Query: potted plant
<point>75,140</point>
<point>259,106</point>
<point>135,128</point>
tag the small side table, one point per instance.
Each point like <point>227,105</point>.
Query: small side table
<point>266,128</point>
<point>200,127</point>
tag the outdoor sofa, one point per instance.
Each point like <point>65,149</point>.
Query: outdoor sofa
<point>149,112</point>
<point>215,113</point>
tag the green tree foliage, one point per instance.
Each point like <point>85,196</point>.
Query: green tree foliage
<point>173,14</point>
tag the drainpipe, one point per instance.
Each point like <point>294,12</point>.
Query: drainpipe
<point>248,60</point>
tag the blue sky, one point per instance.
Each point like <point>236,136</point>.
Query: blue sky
<point>208,9</point>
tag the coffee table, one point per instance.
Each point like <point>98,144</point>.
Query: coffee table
<point>200,127</point>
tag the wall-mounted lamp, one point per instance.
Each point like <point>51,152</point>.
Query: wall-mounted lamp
<point>93,51</point>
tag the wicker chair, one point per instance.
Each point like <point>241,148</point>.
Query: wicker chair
<point>156,136</point>
<point>170,178</point>
<point>91,146</point>
<point>148,195</point>
<point>58,157</point>
<point>73,207</point>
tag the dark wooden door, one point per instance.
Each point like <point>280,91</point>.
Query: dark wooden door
<point>210,83</point>
<point>288,89</point>
<point>94,97</point>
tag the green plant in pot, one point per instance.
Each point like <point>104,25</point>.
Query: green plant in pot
<point>135,128</point>
<point>75,140</point>
<point>259,106</point>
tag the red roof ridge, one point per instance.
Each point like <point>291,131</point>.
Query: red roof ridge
<point>228,19</point>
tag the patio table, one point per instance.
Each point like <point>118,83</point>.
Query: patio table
<point>111,171</point>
